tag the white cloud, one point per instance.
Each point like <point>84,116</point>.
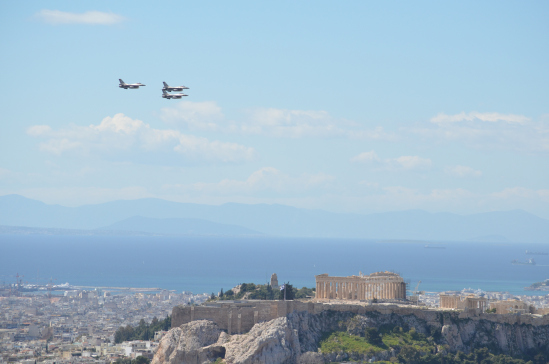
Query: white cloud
<point>521,193</point>
<point>306,123</point>
<point>462,171</point>
<point>89,17</point>
<point>272,122</point>
<point>369,184</point>
<point>198,147</point>
<point>366,157</point>
<point>405,162</point>
<point>195,115</point>
<point>122,133</point>
<point>119,124</point>
<point>59,146</point>
<point>487,131</point>
<point>4,173</point>
<point>38,130</point>
<point>267,179</point>
<point>491,117</point>
<point>413,162</point>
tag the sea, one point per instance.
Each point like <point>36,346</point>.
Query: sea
<point>207,264</point>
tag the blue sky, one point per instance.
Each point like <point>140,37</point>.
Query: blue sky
<point>350,107</point>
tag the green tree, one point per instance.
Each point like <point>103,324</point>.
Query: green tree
<point>408,354</point>
<point>372,335</point>
<point>167,323</point>
<point>290,292</point>
<point>143,331</point>
<point>141,360</point>
<point>304,292</point>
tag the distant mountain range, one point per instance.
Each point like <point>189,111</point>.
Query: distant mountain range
<point>155,216</point>
<point>177,226</point>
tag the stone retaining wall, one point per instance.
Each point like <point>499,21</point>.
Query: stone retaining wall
<point>241,316</point>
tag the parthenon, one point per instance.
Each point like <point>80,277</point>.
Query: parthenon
<point>379,285</point>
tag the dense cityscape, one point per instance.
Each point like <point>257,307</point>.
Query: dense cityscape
<point>80,326</point>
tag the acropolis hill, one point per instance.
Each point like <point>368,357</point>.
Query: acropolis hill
<point>380,291</point>
<point>291,331</point>
<point>236,317</point>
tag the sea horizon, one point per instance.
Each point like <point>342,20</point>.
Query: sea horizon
<point>207,264</point>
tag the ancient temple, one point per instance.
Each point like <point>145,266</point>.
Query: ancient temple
<point>379,285</point>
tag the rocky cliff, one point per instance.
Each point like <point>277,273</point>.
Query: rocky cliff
<point>296,338</point>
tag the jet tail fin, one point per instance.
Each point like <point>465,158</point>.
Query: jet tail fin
<point>164,92</point>
<point>121,82</point>
<point>165,84</point>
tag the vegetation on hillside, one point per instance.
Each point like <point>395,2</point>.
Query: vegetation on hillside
<point>143,331</point>
<point>415,348</point>
<point>538,285</point>
<point>263,292</point>
<point>373,340</point>
<point>138,360</point>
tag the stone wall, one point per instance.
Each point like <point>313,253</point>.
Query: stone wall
<point>237,316</point>
<point>240,316</point>
<point>463,302</point>
<point>512,306</point>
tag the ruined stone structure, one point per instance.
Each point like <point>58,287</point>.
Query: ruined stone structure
<point>462,302</point>
<point>240,316</point>
<point>237,317</point>
<point>274,281</point>
<point>512,306</point>
<point>379,286</point>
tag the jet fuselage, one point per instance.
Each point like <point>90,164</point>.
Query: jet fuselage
<point>174,88</point>
<point>129,85</point>
<point>172,96</point>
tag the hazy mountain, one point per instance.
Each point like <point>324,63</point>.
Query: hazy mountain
<point>490,239</point>
<point>177,226</point>
<point>278,220</point>
<point>24,230</point>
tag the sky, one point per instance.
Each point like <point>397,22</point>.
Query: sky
<point>355,106</point>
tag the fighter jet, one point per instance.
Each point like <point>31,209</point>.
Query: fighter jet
<point>174,88</point>
<point>172,96</point>
<point>129,85</point>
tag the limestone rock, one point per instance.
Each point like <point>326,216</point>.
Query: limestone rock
<point>190,343</point>
<point>272,342</point>
<point>296,338</point>
<point>311,358</point>
<point>451,334</point>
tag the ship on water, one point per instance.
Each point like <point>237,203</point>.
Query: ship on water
<point>529,262</point>
<point>536,253</point>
